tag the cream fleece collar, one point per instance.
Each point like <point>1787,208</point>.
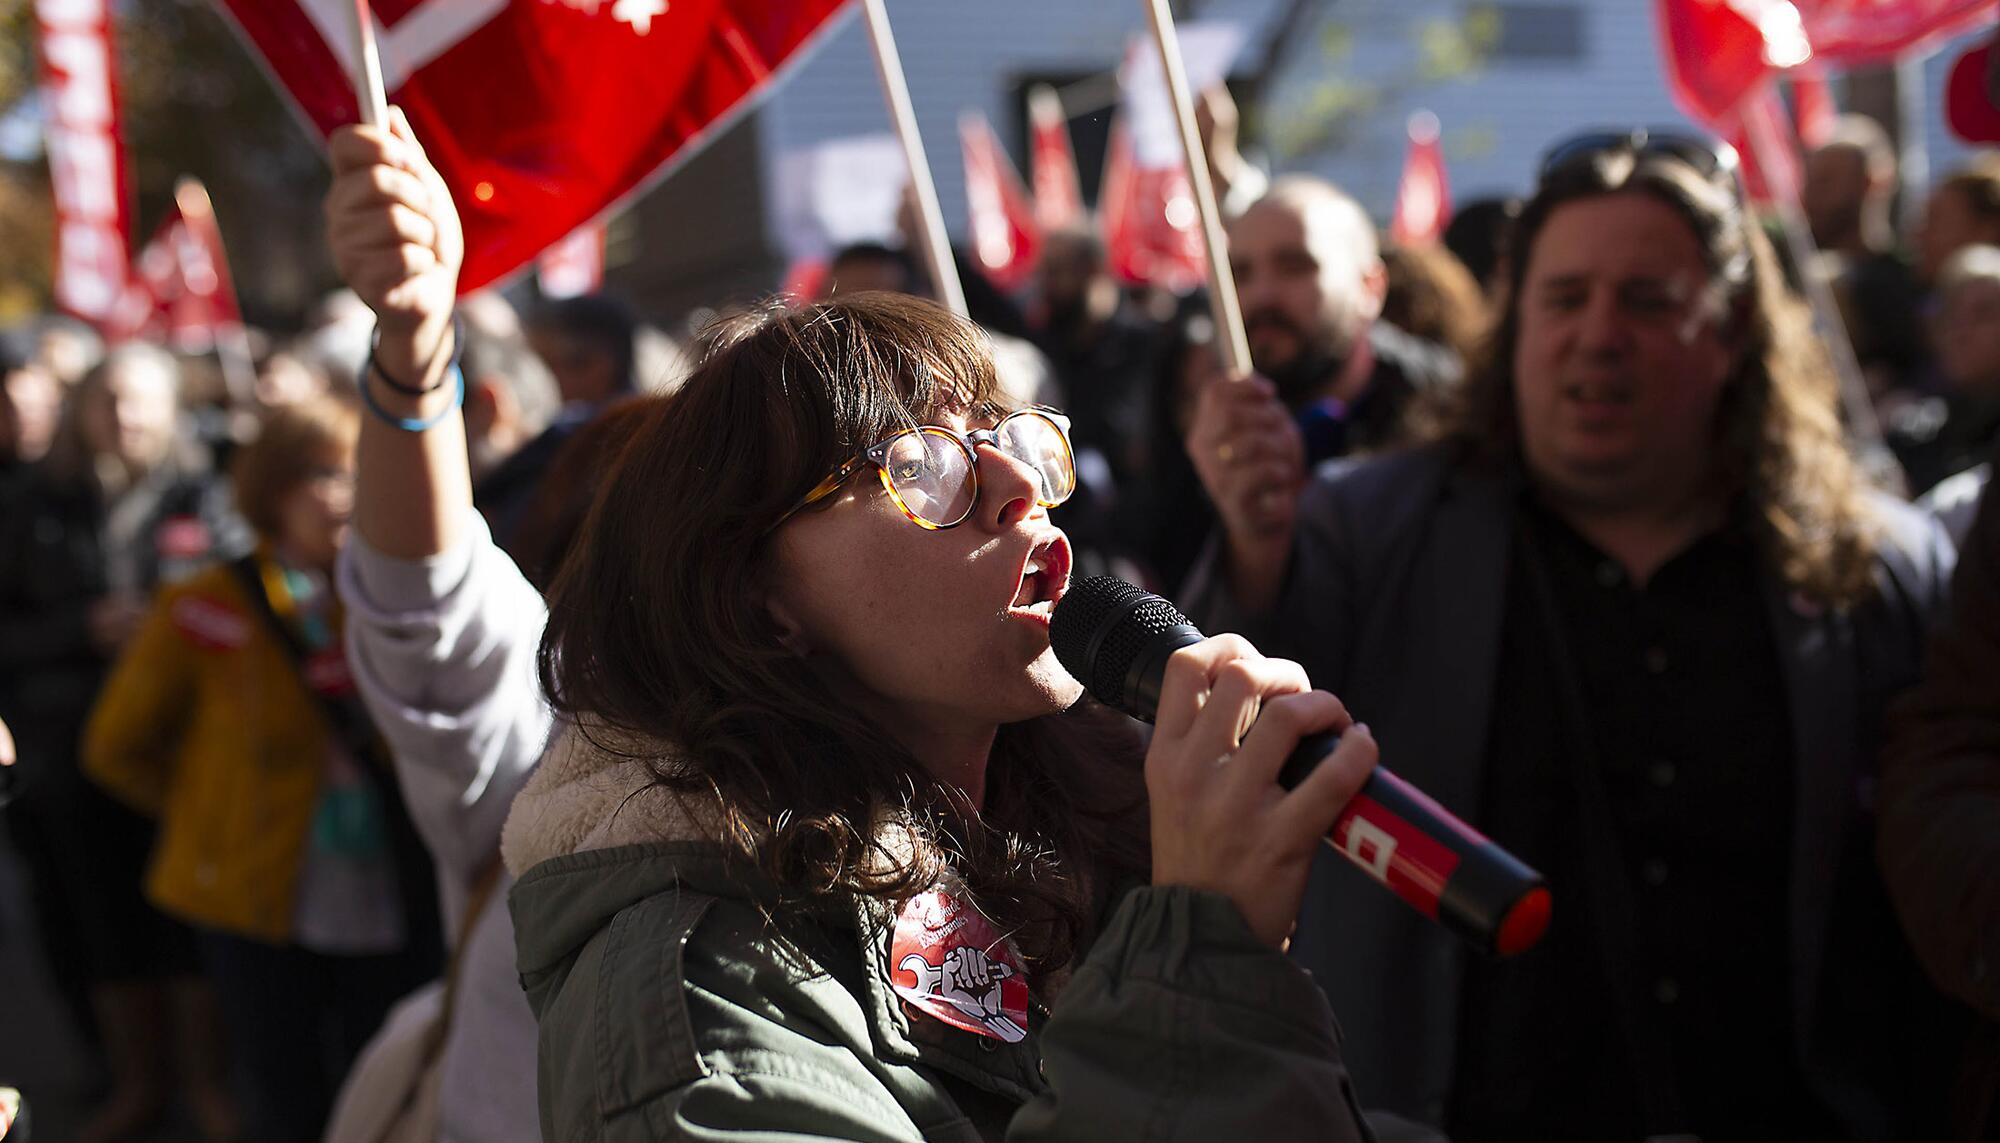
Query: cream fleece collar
<point>584,797</point>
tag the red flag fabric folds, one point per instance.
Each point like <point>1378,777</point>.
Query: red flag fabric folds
<point>1151,226</point>
<point>1052,163</point>
<point>180,291</point>
<point>540,114</point>
<point>1006,241</point>
<point>1849,32</point>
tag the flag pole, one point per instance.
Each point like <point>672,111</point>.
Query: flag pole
<point>368,91</point>
<point>1233,343</point>
<point>232,341</point>
<point>1862,424</point>
<point>896,89</point>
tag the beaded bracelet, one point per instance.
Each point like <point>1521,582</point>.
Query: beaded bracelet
<point>416,424</point>
<point>374,366</point>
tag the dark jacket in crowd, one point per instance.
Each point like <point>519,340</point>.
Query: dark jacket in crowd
<point>1395,600</point>
<point>1940,839</point>
<point>63,548</point>
<point>1938,437</point>
<point>1105,381</point>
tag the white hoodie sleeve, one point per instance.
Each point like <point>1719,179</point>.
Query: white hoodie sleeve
<point>443,651</point>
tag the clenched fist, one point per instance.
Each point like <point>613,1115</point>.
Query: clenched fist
<point>396,240</point>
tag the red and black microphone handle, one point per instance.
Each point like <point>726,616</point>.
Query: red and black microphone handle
<point>1438,865</point>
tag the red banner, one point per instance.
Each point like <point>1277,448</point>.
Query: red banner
<point>1006,242</point>
<point>1423,198</point>
<point>180,291</point>
<point>1719,51</point>
<point>539,114</point>
<point>1052,163</point>
<point>86,156</point>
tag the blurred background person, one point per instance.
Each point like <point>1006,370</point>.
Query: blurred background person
<point>289,374</point>
<point>1940,839</point>
<point>1937,436</point>
<point>1102,351</point>
<point>122,503</point>
<point>1310,277</point>
<point>515,423</point>
<point>67,349</point>
<point>1433,297</point>
<point>1165,521</point>
<point>1477,237</point>
<point>231,718</point>
<point>31,402</point>
<point>588,343</point>
<point>1849,197</point>
<point>1963,210</point>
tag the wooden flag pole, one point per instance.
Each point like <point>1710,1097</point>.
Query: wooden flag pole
<point>1232,341</point>
<point>368,90</point>
<point>1863,426</point>
<point>896,89</point>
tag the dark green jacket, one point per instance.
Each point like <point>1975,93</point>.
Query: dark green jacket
<point>669,1010</point>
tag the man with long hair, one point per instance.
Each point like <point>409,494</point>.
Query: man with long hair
<point>1635,614</point>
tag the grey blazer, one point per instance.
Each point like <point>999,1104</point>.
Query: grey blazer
<point>1394,601</point>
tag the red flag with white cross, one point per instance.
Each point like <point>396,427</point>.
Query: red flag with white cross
<point>540,114</point>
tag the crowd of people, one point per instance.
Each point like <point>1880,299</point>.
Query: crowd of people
<point>502,718</point>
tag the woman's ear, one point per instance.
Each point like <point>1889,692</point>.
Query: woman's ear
<point>791,634</point>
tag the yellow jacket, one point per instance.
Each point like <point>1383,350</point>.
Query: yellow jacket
<point>206,725</point>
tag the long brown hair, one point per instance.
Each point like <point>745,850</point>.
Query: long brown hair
<point>658,631</point>
<point>1779,444</point>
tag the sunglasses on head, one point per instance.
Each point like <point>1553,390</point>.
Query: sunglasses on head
<point>1711,158</point>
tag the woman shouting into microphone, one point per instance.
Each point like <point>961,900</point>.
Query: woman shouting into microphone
<point>826,846</point>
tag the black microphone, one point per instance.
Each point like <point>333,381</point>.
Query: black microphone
<point>1116,638</point>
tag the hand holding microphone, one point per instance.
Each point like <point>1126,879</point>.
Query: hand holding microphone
<point>1228,717</point>
<point>1136,652</point>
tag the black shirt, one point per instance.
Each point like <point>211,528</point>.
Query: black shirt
<point>1684,725</point>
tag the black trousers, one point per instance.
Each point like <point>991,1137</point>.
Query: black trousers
<point>296,1020</point>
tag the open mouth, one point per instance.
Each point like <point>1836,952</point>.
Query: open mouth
<point>1044,577</point>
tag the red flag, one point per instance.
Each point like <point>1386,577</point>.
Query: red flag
<point>1968,109</point>
<point>1052,163</point>
<point>575,265</point>
<point>1850,32</point>
<point>86,157</point>
<point>1006,241</point>
<point>1151,226</point>
<point>1718,51</point>
<point>540,114</point>
<point>180,291</point>
<point>1423,199</point>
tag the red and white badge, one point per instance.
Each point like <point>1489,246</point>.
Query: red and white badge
<point>210,625</point>
<point>951,963</point>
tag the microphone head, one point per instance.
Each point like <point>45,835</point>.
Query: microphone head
<point>1100,627</point>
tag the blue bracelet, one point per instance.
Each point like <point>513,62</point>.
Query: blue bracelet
<point>414,424</point>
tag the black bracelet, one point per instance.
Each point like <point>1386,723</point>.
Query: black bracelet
<point>375,342</point>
